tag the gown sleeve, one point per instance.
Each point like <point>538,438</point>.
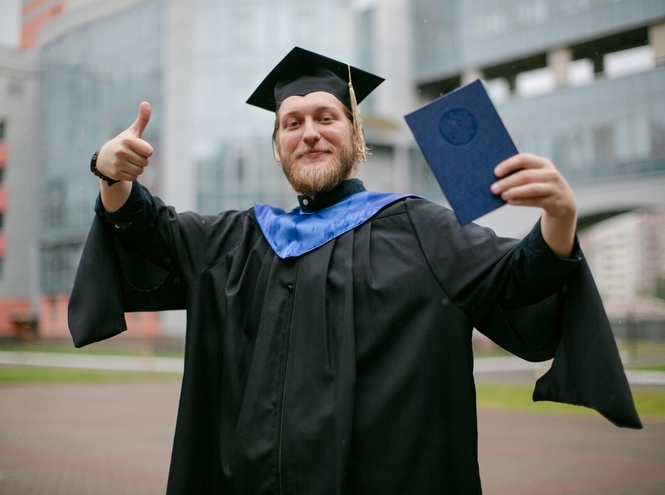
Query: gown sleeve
<point>534,305</point>
<point>112,279</point>
<point>144,258</point>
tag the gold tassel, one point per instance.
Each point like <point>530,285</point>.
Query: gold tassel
<point>358,137</point>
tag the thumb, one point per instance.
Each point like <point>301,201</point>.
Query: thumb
<point>142,119</point>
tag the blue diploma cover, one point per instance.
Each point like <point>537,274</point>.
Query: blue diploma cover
<point>463,139</point>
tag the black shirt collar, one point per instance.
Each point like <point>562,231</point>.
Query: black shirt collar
<point>335,195</point>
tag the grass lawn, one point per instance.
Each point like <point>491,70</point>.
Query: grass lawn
<point>10,374</point>
<point>647,367</point>
<point>649,403</point>
<point>97,349</point>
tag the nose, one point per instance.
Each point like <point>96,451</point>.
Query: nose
<point>311,133</point>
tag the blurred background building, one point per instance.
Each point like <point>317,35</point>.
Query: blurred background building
<point>19,288</point>
<point>581,82</point>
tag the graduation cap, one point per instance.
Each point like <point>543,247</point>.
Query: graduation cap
<point>302,72</point>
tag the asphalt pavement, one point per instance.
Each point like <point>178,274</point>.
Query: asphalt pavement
<point>115,438</point>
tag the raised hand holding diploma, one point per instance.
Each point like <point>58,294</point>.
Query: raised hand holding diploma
<point>468,148</point>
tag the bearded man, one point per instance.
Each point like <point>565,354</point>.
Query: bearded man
<point>328,349</point>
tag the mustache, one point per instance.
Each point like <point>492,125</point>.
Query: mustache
<point>313,149</point>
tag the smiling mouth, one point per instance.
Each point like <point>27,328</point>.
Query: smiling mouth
<point>314,152</point>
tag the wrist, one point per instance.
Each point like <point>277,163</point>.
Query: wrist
<point>96,172</point>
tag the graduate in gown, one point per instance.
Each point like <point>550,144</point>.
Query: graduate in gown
<point>328,349</point>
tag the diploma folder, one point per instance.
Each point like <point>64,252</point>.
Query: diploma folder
<point>463,139</point>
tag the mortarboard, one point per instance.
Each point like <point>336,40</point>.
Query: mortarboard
<point>302,72</point>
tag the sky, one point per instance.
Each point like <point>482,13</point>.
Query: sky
<point>9,22</point>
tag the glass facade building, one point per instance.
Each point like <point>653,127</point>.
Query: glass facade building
<point>594,121</point>
<point>235,44</point>
<point>197,62</point>
<point>99,65</point>
<point>611,129</point>
<point>91,79</point>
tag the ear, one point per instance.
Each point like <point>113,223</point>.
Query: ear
<point>275,151</point>
<point>275,137</point>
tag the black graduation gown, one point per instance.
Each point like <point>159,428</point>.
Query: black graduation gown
<point>348,369</point>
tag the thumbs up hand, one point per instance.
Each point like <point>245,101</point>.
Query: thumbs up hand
<point>125,156</point>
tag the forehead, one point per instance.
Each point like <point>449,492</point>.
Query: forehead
<point>310,102</point>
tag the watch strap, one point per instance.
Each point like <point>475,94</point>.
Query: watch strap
<point>93,169</point>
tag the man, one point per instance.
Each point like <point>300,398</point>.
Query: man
<point>329,349</point>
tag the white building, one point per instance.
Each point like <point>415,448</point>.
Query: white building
<point>626,255</point>
<point>19,291</point>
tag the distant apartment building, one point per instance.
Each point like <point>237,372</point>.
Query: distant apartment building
<point>627,254</point>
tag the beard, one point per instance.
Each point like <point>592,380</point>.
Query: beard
<point>320,174</point>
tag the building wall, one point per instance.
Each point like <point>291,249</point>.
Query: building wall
<point>35,14</point>
<point>383,43</point>
<point>455,36</point>
<point>578,82</point>
<point>18,251</point>
<point>626,254</point>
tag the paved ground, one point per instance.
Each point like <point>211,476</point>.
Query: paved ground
<point>80,439</point>
<point>509,369</point>
<point>525,454</point>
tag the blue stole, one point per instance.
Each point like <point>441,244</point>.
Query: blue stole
<point>296,233</point>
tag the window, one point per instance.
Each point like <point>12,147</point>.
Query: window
<point>629,61</point>
<point>15,88</point>
<point>603,144</point>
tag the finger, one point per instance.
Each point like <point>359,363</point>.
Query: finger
<point>521,161</point>
<point>522,177</point>
<point>142,119</point>
<point>140,147</point>
<point>541,197</point>
<point>133,169</point>
<point>130,174</point>
<point>528,192</point>
<point>128,155</point>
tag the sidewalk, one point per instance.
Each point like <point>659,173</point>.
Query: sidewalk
<point>93,361</point>
<point>482,366</point>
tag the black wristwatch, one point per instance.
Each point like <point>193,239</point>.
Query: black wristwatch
<point>93,169</point>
